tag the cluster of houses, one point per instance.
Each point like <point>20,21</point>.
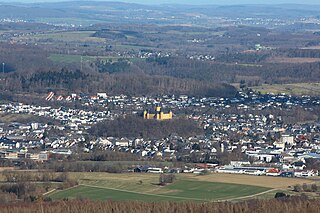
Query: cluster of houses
<point>295,170</point>
<point>235,167</point>
<point>75,119</point>
<point>238,124</point>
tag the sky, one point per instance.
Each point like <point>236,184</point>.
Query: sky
<point>193,2</point>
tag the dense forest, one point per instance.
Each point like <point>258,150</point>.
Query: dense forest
<point>232,73</point>
<point>304,53</point>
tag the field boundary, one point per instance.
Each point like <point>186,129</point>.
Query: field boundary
<point>54,191</point>
<point>247,196</point>
<point>49,192</point>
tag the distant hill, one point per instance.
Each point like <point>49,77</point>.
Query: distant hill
<point>107,11</point>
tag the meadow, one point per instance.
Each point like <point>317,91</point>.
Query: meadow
<point>290,89</point>
<point>294,60</point>
<point>65,58</point>
<point>187,187</point>
<point>63,36</point>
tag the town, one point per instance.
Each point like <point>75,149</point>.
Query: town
<point>159,106</point>
<point>247,134</point>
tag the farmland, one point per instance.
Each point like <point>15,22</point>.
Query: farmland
<point>292,60</point>
<point>63,36</point>
<point>65,58</point>
<point>69,21</point>
<point>23,118</point>
<point>262,181</point>
<point>102,186</point>
<point>180,191</point>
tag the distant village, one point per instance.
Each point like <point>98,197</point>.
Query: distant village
<point>270,146</point>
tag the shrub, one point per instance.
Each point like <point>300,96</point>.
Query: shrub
<point>166,178</point>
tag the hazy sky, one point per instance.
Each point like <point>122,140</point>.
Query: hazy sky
<point>191,1</point>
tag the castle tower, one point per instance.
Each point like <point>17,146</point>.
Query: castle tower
<point>157,114</point>
<point>145,114</point>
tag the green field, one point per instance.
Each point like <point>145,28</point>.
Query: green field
<point>95,193</point>
<point>75,21</point>
<point>131,47</point>
<point>77,58</point>
<point>64,58</point>
<point>69,58</point>
<point>212,190</point>
<point>180,191</point>
<point>291,89</point>
<point>63,36</point>
<point>102,186</point>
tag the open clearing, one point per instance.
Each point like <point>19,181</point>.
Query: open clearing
<point>290,89</point>
<point>100,193</point>
<point>21,118</point>
<point>181,190</point>
<point>293,60</point>
<point>263,181</point>
<point>65,20</point>
<point>143,186</point>
<point>77,58</point>
<point>64,58</point>
<point>68,36</point>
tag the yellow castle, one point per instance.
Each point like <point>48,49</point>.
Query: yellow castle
<point>158,114</point>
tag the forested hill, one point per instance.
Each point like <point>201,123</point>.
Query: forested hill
<point>29,70</point>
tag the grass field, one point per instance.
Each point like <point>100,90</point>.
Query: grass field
<point>142,186</point>
<point>75,21</point>
<point>77,58</point>
<point>182,190</point>
<point>291,89</point>
<point>21,118</point>
<point>293,60</point>
<point>64,58</point>
<point>96,193</point>
<point>64,36</point>
<point>4,31</point>
<point>131,47</point>
<point>263,181</point>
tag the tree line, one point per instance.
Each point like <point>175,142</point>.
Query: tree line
<point>34,72</point>
<point>137,127</point>
<point>27,186</point>
<point>282,204</point>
